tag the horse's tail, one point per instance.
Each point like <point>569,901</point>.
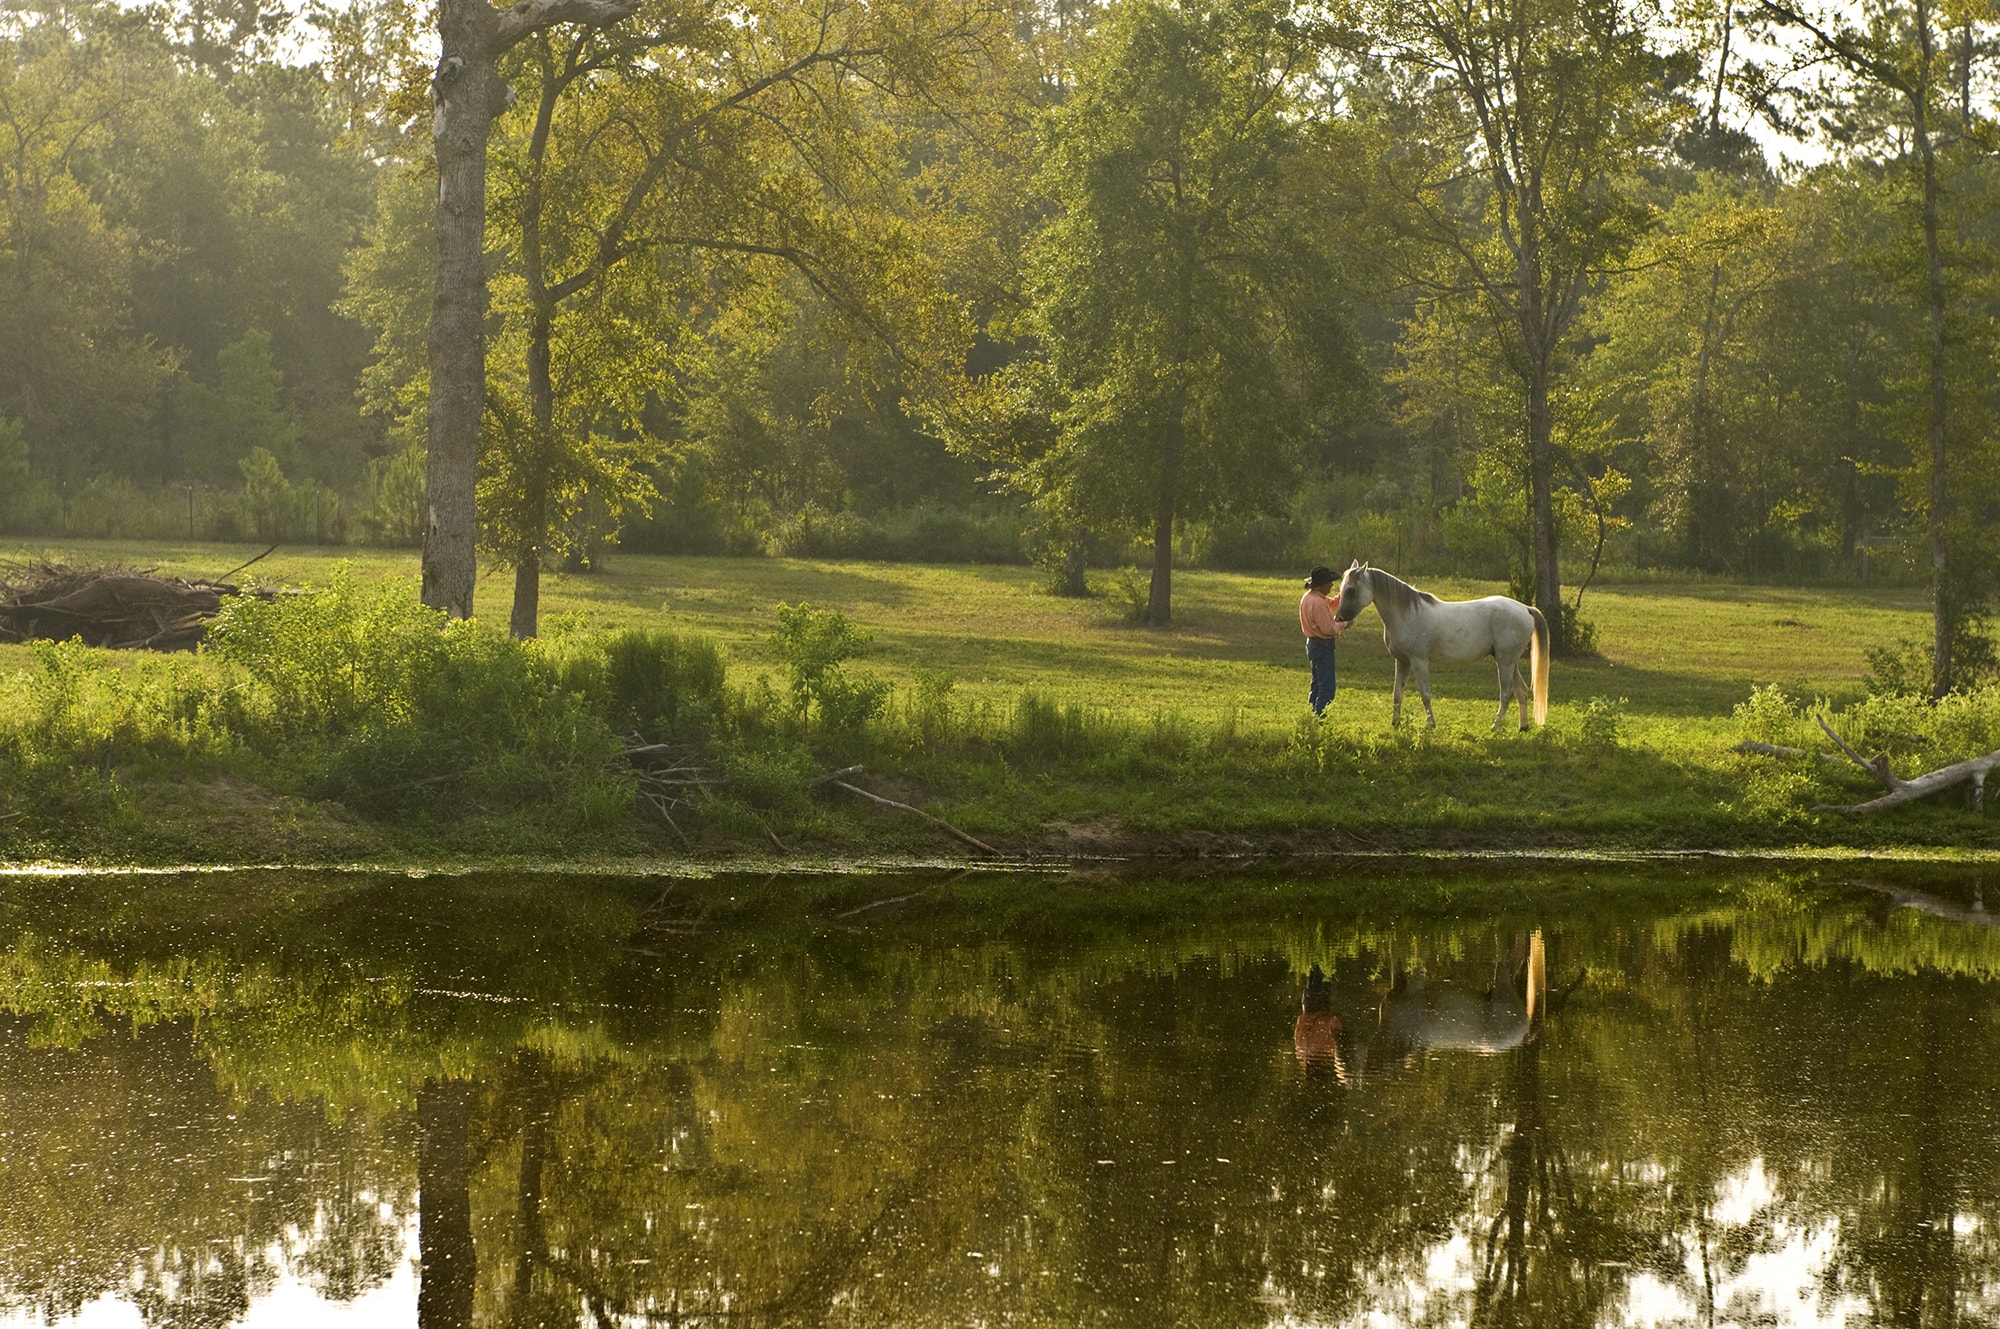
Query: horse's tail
<point>1538,663</point>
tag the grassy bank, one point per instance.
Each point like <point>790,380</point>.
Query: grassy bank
<point>1031,722</point>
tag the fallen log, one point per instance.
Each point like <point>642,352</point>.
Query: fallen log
<point>1974,769</point>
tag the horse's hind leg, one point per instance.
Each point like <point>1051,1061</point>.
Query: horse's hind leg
<point>1524,690</point>
<point>1421,667</point>
<point>1507,674</point>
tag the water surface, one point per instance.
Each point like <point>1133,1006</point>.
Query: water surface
<point>1361,1095</point>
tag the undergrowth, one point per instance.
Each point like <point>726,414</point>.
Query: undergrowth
<point>355,698</point>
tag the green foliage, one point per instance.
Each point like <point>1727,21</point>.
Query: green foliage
<point>14,476</point>
<point>661,684</point>
<point>1161,285</point>
<point>1769,716</point>
<point>1899,669</point>
<point>1602,722</point>
<point>815,644</point>
<point>393,512</point>
<point>392,701</point>
<point>241,418</point>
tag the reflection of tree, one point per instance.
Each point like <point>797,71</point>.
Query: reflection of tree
<point>774,1123</point>
<point>122,1167</point>
<point>449,1272</point>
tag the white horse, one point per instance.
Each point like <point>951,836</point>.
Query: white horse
<point>1418,627</point>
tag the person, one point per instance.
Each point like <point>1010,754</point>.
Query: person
<point>1322,628</point>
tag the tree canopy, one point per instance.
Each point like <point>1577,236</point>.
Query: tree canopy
<point>1519,291</point>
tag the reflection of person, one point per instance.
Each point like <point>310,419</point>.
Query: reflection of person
<point>1322,629</point>
<point>1316,1033</point>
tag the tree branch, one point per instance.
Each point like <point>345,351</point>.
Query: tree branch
<point>528,17</point>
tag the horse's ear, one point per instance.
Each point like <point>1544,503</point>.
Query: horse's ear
<point>1356,566</point>
<point>1362,564</point>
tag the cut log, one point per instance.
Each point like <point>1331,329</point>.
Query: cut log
<point>1973,770</point>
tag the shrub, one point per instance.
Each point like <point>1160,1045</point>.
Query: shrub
<point>661,684</point>
<point>815,644</point>
<point>1770,716</point>
<point>1901,669</point>
<point>380,701</point>
<point>1603,722</point>
<point>1042,727</point>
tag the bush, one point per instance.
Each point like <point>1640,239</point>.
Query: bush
<point>1044,728</point>
<point>1902,669</point>
<point>1603,722</point>
<point>1769,716</point>
<point>661,684</point>
<point>815,644</point>
<point>382,701</point>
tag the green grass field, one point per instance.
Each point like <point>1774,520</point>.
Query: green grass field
<point>1675,660</point>
<point>1683,653</point>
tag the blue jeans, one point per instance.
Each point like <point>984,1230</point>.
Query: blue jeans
<point>1319,653</point>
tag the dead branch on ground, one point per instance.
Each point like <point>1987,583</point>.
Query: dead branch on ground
<point>940,822</point>
<point>1974,769</point>
<point>113,607</point>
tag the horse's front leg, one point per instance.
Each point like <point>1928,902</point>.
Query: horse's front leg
<point>1396,708</point>
<point>1421,667</point>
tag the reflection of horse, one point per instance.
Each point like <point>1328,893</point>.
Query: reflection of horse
<point>1418,627</point>
<point>1417,1014</point>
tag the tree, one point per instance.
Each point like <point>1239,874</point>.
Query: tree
<point>1160,289</point>
<point>665,142</point>
<point>77,377</point>
<point>1512,136</point>
<point>470,95</point>
<point>219,426</point>
<point>1902,49</point>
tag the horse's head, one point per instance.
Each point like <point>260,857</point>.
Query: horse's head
<point>1355,592</point>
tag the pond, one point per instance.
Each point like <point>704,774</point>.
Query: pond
<point>1360,1093</point>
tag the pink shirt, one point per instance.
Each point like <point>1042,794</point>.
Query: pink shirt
<point>1316,616</point>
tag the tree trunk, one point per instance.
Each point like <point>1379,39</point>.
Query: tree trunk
<point>468,93</point>
<point>1159,597</point>
<point>1942,609</point>
<point>540,451</point>
<point>1074,581</point>
<point>534,1153</point>
<point>1541,501</point>
<point>446,1258</point>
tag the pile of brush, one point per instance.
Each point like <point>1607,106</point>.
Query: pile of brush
<point>120,608</point>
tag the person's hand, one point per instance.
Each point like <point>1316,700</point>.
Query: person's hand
<point>1341,625</point>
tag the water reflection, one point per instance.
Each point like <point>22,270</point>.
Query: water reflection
<point>1686,1099</point>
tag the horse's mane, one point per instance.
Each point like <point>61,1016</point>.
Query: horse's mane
<point>1405,596</point>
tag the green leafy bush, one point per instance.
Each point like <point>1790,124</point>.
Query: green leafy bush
<point>816,643</point>
<point>1769,716</point>
<point>387,704</point>
<point>661,684</point>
